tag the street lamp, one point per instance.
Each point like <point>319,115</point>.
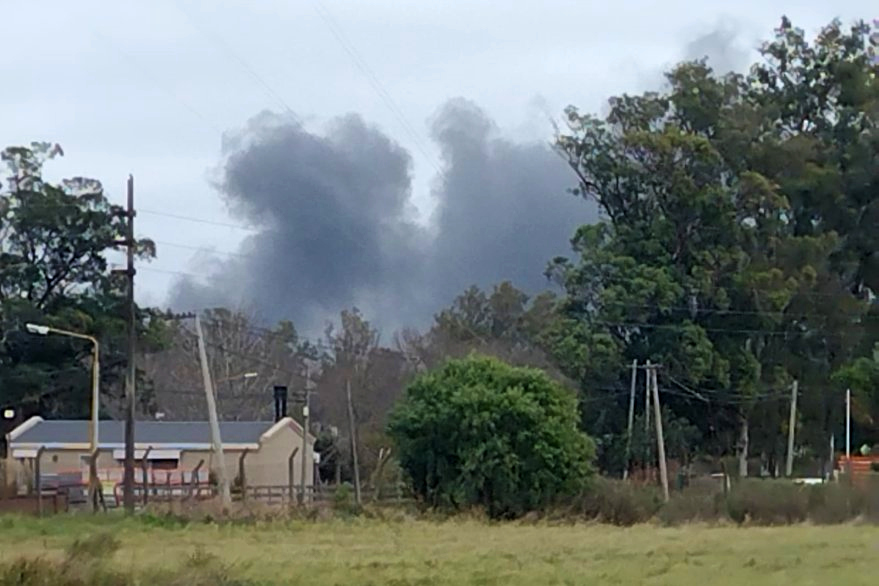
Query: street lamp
<point>96,377</point>
<point>237,376</point>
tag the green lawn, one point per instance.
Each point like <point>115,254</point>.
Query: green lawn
<point>362,552</point>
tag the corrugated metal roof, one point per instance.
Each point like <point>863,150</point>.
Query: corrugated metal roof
<point>146,432</point>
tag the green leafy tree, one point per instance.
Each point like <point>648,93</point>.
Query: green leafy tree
<point>505,323</point>
<point>739,239</point>
<point>478,432</point>
<point>53,244</point>
<point>862,378</point>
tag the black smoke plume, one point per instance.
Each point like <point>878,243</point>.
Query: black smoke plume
<point>335,226</point>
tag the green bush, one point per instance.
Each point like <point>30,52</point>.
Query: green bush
<point>701,502</point>
<point>835,502</point>
<point>768,502</point>
<point>618,503</point>
<point>482,433</point>
<point>343,500</point>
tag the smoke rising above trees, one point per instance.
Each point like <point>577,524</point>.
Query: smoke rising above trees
<point>336,225</point>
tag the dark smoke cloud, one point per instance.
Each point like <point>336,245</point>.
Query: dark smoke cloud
<point>335,222</point>
<point>504,208</point>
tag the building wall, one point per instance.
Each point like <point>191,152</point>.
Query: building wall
<point>269,465</point>
<point>21,471</point>
<point>266,466</point>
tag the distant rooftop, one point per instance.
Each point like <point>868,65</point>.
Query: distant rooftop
<point>146,432</point>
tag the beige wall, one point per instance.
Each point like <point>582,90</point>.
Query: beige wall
<point>266,466</point>
<point>52,462</point>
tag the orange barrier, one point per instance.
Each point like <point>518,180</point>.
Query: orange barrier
<point>860,466</point>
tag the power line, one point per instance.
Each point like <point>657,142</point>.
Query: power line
<point>127,57</point>
<point>373,80</point>
<point>199,220</point>
<point>218,40</point>
<point>202,249</point>
<point>173,272</point>
<point>603,279</point>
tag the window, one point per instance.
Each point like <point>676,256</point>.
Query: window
<point>163,464</point>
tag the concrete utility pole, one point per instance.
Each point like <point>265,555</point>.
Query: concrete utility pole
<point>220,465</point>
<point>647,391</point>
<point>848,424</point>
<point>647,400</point>
<point>131,374</point>
<point>660,441</point>
<point>792,426</point>
<point>352,432</point>
<point>305,424</point>
<point>631,418</point>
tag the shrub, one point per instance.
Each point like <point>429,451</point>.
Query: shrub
<point>699,502</point>
<point>619,503</point>
<point>343,500</point>
<point>479,432</point>
<point>835,503</point>
<point>768,502</point>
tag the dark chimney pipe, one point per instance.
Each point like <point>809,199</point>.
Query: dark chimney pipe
<point>280,396</point>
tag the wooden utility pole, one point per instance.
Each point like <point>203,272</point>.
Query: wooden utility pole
<point>660,441</point>
<point>216,440</point>
<point>792,425</point>
<point>131,373</point>
<point>352,432</point>
<point>631,421</point>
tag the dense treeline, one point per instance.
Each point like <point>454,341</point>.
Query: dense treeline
<point>739,249</point>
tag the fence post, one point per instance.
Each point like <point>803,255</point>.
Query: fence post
<point>143,471</point>
<point>99,486</point>
<point>194,484</point>
<point>242,477</point>
<point>291,485</point>
<point>38,479</point>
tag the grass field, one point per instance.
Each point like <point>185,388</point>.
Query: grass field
<point>362,552</point>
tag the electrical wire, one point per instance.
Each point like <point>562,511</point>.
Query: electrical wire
<point>226,48</point>
<point>373,80</point>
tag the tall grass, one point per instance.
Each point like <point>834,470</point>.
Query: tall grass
<point>458,551</point>
<point>89,561</point>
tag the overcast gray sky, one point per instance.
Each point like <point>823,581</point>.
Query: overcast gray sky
<point>347,209</point>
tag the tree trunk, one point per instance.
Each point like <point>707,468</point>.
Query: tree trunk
<point>742,446</point>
